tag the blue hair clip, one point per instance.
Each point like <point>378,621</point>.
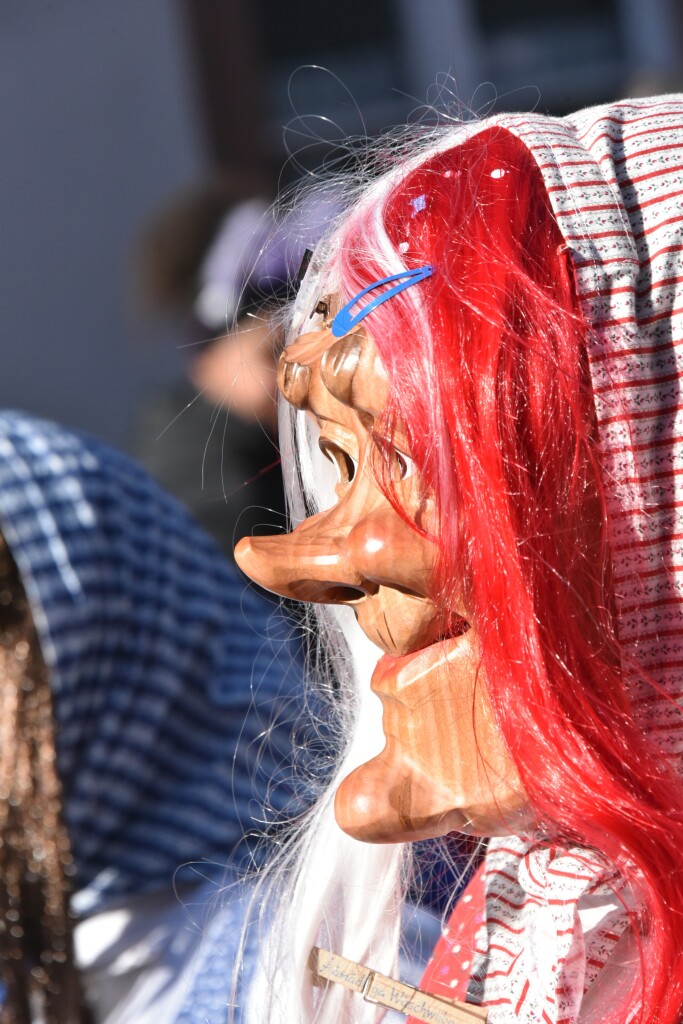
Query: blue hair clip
<point>344,322</point>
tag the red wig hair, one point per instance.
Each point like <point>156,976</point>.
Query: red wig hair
<point>488,364</point>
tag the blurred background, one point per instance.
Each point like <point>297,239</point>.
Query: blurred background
<point>109,108</point>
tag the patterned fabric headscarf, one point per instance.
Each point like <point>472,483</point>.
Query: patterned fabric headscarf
<point>555,943</point>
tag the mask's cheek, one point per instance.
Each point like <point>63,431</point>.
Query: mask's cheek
<point>444,766</point>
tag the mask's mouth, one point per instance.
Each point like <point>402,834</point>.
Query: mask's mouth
<point>457,626</point>
<point>403,623</point>
<point>419,664</point>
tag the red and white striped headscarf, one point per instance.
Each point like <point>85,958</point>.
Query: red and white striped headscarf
<point>555,944</point>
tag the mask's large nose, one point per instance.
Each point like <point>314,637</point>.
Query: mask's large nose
<point>326,562</point>
<point>309,564</point>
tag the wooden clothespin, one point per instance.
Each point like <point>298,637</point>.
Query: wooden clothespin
<point>394,995</point>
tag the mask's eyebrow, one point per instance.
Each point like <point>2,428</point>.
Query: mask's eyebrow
<point>296,366</point>
<point>294,381</point>
<point>338,367</point>
<point>350,370</point>
<point>353,373</point>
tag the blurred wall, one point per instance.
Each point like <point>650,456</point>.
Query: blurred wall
<point>95,128</point>
<point>109,106</point>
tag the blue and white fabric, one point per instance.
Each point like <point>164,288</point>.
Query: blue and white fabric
<point>174,685</point>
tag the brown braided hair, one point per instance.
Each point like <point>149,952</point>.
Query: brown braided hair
<point>37,973</point>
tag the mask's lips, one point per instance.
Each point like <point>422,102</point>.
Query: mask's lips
<point>422,656</point>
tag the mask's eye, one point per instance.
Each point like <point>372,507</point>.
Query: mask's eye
<point>400,465</point>
<point>345,464</point>
<point>404,464</point>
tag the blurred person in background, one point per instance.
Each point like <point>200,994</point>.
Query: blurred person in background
<point>146,710</point>
<point>223,261</point>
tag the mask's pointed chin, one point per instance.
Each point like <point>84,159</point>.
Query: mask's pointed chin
<point>390,800</point>
<point>379,801</point>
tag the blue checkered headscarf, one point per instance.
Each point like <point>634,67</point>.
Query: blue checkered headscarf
<point>167,672</point>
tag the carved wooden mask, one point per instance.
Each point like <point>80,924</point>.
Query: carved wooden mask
<point>445,765</point>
